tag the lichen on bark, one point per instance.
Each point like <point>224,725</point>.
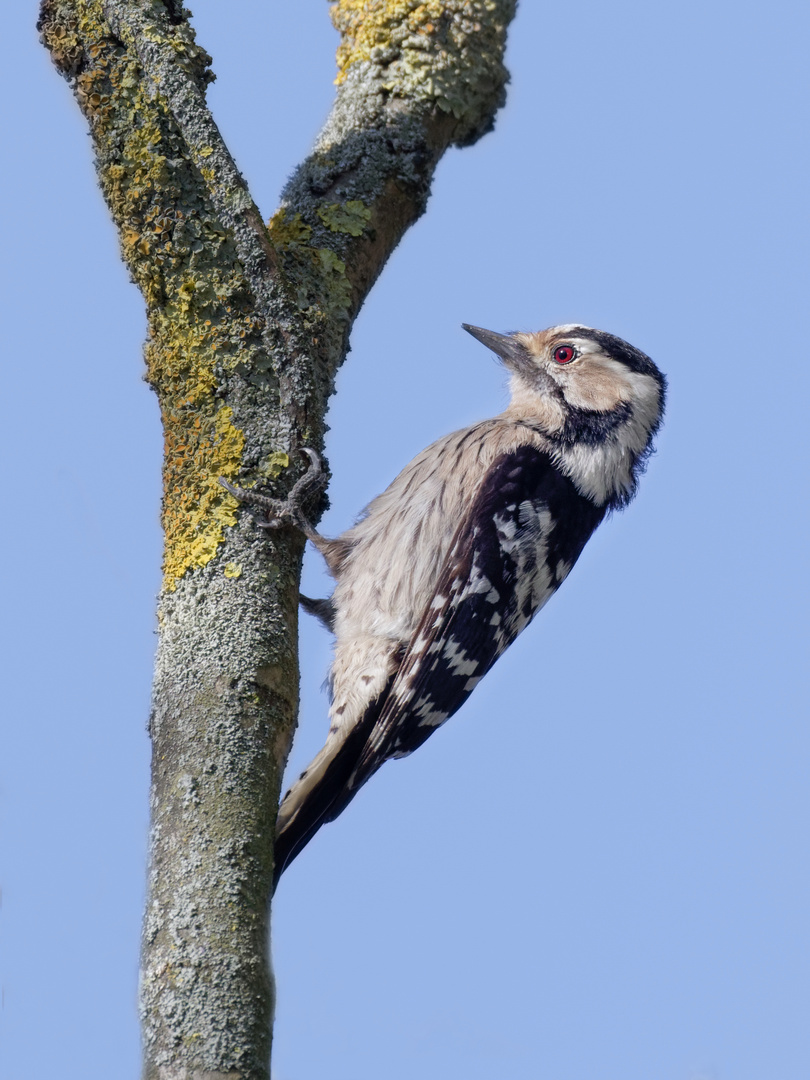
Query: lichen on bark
<point>443,52</point>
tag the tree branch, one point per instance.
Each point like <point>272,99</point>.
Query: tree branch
<point>414,79</point>
<point>247,327</point>
<point>144,27</point>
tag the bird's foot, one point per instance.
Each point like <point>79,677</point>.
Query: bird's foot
<point>323,610</point>
<point>289,511</point>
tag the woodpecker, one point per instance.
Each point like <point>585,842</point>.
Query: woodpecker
<point>457,556</point>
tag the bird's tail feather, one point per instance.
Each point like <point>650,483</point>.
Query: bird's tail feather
<point>324,791</point>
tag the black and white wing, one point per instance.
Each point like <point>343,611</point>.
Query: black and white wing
<point>520,537</point>
<point>523,533</point>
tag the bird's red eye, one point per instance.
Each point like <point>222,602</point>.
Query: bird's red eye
<point>564,354</point>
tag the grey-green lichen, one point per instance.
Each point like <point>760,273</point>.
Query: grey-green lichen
<point>314,276</point>
<point>351,217</point>
<point>225,689</point>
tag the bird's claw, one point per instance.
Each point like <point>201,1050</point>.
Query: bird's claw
<point>312,478</point>
<point>290,511</point>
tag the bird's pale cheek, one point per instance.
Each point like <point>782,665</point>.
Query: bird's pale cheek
<point>595,391</point>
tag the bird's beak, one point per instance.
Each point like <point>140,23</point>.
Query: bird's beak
<point>508,348</point>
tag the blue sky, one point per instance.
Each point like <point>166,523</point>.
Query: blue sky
<point>599,867</point>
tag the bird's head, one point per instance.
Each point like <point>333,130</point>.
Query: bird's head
<point>584,389</point>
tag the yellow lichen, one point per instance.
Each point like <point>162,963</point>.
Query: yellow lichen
<point>196,508</point>
<point>369,25</point>
<point>287,229</point>
<point>232,570</point>
<point>201,321</point>
<point>272,467</point>
<point>201,441</point>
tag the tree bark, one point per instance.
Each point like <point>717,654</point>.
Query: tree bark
<point>247,327</point>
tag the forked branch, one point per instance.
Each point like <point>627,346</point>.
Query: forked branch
<point>247,327</point>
